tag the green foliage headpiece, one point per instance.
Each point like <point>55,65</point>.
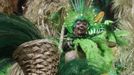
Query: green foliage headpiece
<point>80,10</point>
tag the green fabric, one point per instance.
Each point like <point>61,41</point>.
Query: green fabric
<point>95,43</point>
<point>97,51</point>
<point>77,67</point>
<point>101,57</point>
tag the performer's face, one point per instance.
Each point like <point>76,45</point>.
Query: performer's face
<point>80,28</point>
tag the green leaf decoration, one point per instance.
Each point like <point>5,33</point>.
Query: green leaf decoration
<point>111,37</point>
<point>121,33</point>
<point>108,22</point>
<point>94,54</point>
<point>120,37</point>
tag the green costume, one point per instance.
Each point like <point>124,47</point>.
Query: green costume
<point>99,55</point>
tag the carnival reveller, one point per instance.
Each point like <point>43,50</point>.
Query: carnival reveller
<point>90,38</point>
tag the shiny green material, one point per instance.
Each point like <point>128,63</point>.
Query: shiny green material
<point>95,44</point>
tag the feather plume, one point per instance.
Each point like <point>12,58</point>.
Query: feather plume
<point>15,31</point>
<point>80,5</point>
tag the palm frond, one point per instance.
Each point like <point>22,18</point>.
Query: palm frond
<point>123,11</point>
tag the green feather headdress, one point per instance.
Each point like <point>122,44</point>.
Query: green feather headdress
<point>79,11</point>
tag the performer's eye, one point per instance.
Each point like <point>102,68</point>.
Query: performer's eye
<point>78,22</point>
